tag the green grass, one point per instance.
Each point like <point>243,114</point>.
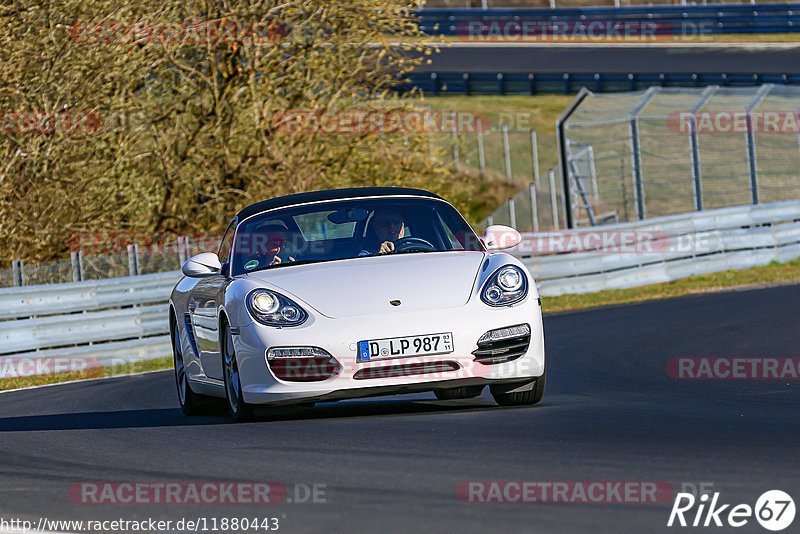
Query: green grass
<point>774,273</point>
<point>521,113</point>
<point>95,372</point>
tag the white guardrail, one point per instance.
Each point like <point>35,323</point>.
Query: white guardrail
<point>118,320</point>
<point>672,247</point>
<point>61,327</point>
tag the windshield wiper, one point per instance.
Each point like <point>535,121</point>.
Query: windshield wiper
<point>412,251</point>
<point>286,264</point>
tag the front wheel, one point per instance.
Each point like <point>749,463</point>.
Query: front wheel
<point>237,407</point>
<point>520,398</point>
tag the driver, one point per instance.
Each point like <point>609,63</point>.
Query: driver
<point>387,226</point>
<point>267,244</point>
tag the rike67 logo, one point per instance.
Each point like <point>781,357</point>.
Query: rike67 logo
<point>774,510</point>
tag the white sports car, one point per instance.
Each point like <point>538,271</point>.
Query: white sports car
<point>351,293</point>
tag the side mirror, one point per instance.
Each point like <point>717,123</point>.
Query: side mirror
<point>202,265</point>
<point>499,237</point>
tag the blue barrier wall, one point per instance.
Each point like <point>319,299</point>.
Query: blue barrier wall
<point>710,18</point>
<point>531,84</point>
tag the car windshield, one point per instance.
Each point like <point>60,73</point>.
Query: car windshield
<point>345,229</point>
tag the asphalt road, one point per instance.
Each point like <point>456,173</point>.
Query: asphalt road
<point>393,464</point>
<point>596,58</point>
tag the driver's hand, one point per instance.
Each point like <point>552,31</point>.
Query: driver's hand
<point>386,247</point>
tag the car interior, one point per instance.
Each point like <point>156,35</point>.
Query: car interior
<point>348,232</point>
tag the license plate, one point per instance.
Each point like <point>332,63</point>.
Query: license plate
<point>403,347</point>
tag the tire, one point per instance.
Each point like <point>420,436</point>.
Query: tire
<point>191,402</point>
<point>238,409</point>
<point>463,392</point>
<point>521,398</point>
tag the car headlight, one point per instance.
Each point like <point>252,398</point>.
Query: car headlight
<point>506,286</point>
<point>273,309</point>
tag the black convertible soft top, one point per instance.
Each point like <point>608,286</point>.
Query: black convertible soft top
<point>331,194</point>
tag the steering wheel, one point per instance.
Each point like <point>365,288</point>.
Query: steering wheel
<point>405,244</point>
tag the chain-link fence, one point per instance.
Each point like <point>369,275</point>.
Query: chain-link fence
<point>663,151</point>
<point>668,150</point>
<point>511,154</point>
<point>134,261</point>
<point>499,152</point>
<point>537,207</point>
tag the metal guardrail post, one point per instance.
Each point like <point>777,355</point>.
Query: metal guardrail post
<point>183,254</point>
<point>74,258</point>
<point>694,147</point>
<point>636,163</point>
<point>19,275</point>
<point>507,152</point>
<point>430,135</point>
<point>535,156</point>
<point>133,268</point>
<point>697,180</point>
<point>455,139</point>
<point>593,173</point>
<point>553,200</point>
<point>512,213</point>
<point>481,155</point>
<point>534,208</point>
<point>636,152</point>
<point>561,138</point>
<point>751,140</point>
<point>751,158</point>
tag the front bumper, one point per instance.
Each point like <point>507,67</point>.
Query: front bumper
<point>339,337</point>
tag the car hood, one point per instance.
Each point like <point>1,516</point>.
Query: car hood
<point>365,286</point>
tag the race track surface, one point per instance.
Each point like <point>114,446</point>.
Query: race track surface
<point>615,59</point>
<point>393,464</point>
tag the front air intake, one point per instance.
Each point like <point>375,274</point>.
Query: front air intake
<point>407,369</point>
<point>503,344</point>
<point>302,364</point>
